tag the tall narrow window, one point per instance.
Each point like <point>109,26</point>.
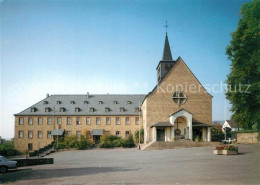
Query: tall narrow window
<point>58,120</point>
<point>78,134</point>
<point>68,133</point>
<point>39,121</point>
<point>30,146</point>
<point>20,121</point>
<point>68,121</point>
<point>88,121</point>
<point>30,134</point>
<point>127,133</point>
<point>49,134</point>
<point>107,120</point>
<point>49,121</point>
<point>127,121</point>
<point>117,133</point>
<point>39,134</point>
<point>117,121</point>
<point>98,120</point>
<point>137,120</point>
<point>78,120</point>
<point>20,134</point>
<point>30,121</point>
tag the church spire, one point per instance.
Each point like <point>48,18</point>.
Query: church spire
<point>167,55</point>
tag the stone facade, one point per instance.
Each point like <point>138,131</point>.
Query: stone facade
<point>248,137</point>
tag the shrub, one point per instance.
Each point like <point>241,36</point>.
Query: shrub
<point>216,133</point>
<point>141,136</point>
<point>84,143</point>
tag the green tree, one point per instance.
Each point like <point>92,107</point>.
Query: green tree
<point>216,133</point>
<point>141,136</point>
<point>244,52</point>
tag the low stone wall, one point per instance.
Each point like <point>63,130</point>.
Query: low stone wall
<point>31,162</point>
<point>248,137</point>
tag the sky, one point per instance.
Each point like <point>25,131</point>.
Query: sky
<point>75,47</point>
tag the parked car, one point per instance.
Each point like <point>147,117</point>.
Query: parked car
<point>228,141</point>
<point>5,164</point>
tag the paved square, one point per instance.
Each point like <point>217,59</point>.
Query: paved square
<point>131,166</point>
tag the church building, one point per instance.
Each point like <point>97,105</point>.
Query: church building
<point>177,108</point>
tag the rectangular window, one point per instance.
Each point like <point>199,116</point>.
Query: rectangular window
<point>20,134</point>
<point>39,134</point>
<point>78,134</point>
<point>107,133</point>
<point>30,146</point>
<point>68,133</point>
<point>88,121</point>
<point>39,121</point>
<point>78,120</point>
<point>68,121</point>
<point>49,121</point>
<point>58,120</point>
<point>88,135</point>
<point>117,121</point>
<point>108,120</point>
<point>117,133</point>
<point>49,134</point>
<point>30,134</point>
<point>127,133</point>
<point>98,120</point>
<point>30,121</point>
<point>127,121</point>
<point>20,121</point>
<point>137,120</point>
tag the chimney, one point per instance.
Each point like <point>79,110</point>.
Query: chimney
<point>47,95</point>
<point>87,95</point>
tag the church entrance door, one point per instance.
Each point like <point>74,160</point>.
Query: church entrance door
<point>160,134</point>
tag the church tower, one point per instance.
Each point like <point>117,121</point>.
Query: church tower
<point>166,63</point>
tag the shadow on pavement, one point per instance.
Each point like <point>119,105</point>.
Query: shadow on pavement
<point>29,174</point>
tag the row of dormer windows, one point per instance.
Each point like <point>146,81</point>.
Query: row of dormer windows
<point>78,121</point>
<point>77,109</point>
<point>86,102</point>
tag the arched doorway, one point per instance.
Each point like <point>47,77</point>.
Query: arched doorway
<point>180,127</point>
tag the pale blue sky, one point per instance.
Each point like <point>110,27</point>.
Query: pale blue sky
<point>74,47</point>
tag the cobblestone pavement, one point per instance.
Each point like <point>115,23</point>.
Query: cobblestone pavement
<point>131,166</point>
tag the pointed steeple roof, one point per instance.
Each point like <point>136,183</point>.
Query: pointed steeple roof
<point>167,55</point>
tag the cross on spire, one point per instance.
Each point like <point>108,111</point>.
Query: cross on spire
<point>166,26</point>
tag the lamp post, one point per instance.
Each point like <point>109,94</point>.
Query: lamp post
<point>139,118</point>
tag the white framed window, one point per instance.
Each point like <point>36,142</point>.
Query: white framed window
<point>30,121</point>
<point>20,134</point>
<point>137,120</point>
<point>69,133</point>
<point>49,121</point>
<point>78,120</point>
<point>127,121</point>
<point>39,121</point>
<point>117,121</point>
<point>30,146</point>
<point>78,134</point>
<point>30,134</point>
<point>88,121</point>
<point>20,121</point>
<point>117,133</point>
<point>39,134</point>
<point>127,133</point>
<point>58,120</point>
<point>68,121</point>
<point>49,134</point>
<point>107,120</point>
<point>98,120</point>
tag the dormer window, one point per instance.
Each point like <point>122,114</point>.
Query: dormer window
<point>58,102</point>
<point>100,102</point>
<point>33,109</point>
<point>91,109</point>
<point>85,102</point>
<point>47,109</point>
<point>72,102</point>
<point>62,109</point>
<point>115,102</point>
<point>137,109</point>
<point>45,102</point>
<point>77,109</point>
<point>107,109</point>
<point>129,102</point>
<point>122,109</point>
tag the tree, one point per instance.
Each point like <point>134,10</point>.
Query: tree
<point>244,52</point>
<point>141,136</point>
<point>216,133</point>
